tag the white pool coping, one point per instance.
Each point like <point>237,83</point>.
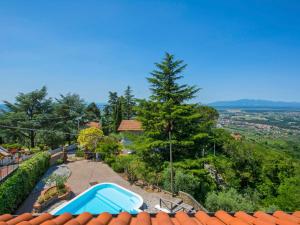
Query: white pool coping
<point>137,208</point>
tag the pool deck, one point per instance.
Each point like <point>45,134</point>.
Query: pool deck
<point>85,172</point>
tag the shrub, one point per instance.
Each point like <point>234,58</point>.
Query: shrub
<point>109,160</point>
<point>79,153</point>
<point>108,147</point>
<point>122,163</point>
<point>12,146</point>
<point>17,187</point>
<point>228,200</point>
<point>182,182</point>
<point>59,161</point>
<point>49,194</point>
<point>58,180</point>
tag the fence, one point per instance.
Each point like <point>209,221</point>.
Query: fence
<point>13,160</point>
<point>10,164</point>
<point>68,148</point>
<point>7,170</point>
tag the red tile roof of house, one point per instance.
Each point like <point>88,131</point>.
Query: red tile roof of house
<point>161,218</point>
<point>93,124</point>
<point>130,125</point>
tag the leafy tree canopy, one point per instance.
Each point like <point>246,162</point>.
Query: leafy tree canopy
<point>89,138</point>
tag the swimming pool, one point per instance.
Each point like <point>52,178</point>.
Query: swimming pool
<point>104,197</point>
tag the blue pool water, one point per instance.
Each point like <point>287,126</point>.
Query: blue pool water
<point>105,197</point>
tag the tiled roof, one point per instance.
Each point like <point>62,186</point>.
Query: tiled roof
<point>130,125</point>
<point>93,124</point>
<point>161,218</point>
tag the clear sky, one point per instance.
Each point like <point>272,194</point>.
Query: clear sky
<point>234,49</point>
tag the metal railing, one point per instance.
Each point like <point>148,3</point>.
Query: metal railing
<point>171,206</point>
<point>9,165</point>
<point>5,171</point>
<point>60,149</point>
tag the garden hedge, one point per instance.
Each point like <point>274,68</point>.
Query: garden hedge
<point>17,187</point>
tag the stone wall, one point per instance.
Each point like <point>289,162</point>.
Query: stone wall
<point>55,157</point>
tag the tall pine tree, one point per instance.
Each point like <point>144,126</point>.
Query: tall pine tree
<point>168,110</point>
<point>128,104</point>
<point>113,114</point>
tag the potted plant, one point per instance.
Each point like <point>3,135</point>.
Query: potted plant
<point>58,190</point>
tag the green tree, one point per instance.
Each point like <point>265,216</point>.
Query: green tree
<point>92,112</point>
<point>31,111</point>
<point>106,120</point>
<point>168,110</point>
<point>113,113</point>
<point>90,138</point>
<point>128,104</point>
<point>69,109</point>
<point>183,182</point>
<point>228,200</point>
<point>288,198</point>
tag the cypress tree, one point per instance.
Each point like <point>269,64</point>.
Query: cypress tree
<point>128,104</point>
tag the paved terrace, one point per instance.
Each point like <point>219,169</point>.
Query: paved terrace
<point>85,172</point>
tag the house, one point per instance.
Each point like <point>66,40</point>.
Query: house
<point>94,124</point>
<point>131,126</point>
<point>237,136</point>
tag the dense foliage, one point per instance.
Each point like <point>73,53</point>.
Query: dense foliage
<point>220,171</point>
<point>89,138</point>
<point>34,119</point>
<point>16,188</point>
<point>117,109</point>
<point>209,163</point>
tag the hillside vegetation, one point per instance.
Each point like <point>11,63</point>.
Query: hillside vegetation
<point>221,171</point>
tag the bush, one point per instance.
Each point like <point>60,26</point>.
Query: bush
<point>59,161</point>
<point>109,160</point>
<point>108,147</point>
<point>58,180</point>
<point>12,146</point>
<point>17,187</point>
<point>228,200</point>
<point>182,182</point>
<point>122,163</point>
<point>79,153</point>
<point>49,194</point>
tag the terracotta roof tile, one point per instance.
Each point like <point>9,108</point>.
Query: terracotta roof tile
<point>130,125</point>
<point>284,216</point>
<point>94,124</point>
<point>297,214</point>
<point>180,218</point>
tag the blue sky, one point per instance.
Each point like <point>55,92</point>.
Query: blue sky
<point>234,49</point>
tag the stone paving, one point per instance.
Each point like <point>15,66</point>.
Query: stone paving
<point>85,172</point>
<point>82,174</point>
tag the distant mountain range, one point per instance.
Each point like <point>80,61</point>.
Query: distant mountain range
<point>242,103</point>
<point>251,103</point>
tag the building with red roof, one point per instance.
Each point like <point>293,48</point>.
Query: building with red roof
<point>133,126</point>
